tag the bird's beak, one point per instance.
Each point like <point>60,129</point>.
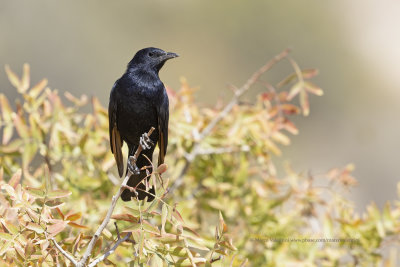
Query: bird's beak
<point>168,55</point>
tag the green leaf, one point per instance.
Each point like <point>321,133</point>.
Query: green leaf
<point>164,213</point>
<point>20,125</point>
<point>35,227</point>
<point>4,248</point>
<point>36,192</point>
<point>58,194</point>
<point>6,236</point>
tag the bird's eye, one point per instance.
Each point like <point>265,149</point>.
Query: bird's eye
<point>151,54</point>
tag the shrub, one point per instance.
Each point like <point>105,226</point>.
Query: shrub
<point>220,201</point>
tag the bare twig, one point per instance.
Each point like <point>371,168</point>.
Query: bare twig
<point>235,99</point>
<point>66,254</point>
<point>111,251</point>
<point>114,200</point>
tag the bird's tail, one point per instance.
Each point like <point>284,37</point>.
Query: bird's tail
<point>137,181</point>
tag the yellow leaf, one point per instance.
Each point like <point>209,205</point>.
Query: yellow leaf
<point>164,213</point>
<point>15,179</point>
<point>25,81</point>
<point>58,194</point>
<point>38,88</point>
<point>5,108</point>
<point>5,236</point>
<point>305,105</point>
<point>35,227</point>
<point>313,89</point>
<point>12,77</point>
<point>7,134</point>
<point>20,125</point>
<point>296,88</point>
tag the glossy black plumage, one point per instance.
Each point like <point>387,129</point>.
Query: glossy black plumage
<point>138,101</point>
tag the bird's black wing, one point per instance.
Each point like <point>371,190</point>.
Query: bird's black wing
<point>115,137</point>
<point>163,117</point>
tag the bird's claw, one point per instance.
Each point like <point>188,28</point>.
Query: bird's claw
<point>145,142</point>
<point>133,168</point>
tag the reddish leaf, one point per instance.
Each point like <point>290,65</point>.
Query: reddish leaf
<point>289,109</point>
<point>15,179</point>
<point>125,217</point>
<point>35,227</point>
<point>60,213</point>
<point>76,225</point>
<point>74,216</point>
<point>57,227</point>
<point>162,168</point>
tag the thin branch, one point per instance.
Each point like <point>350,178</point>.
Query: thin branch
<point>114,200</point>
<point>227,109</point>
<point>66,254</point>
<point>109,252</point>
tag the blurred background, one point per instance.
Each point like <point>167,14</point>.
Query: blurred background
<point>83,47</point>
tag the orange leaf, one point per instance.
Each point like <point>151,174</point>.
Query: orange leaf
<point>74,217</point>
<point>162,168</point>
<point>77,225</point>
<point>60,213</point>
<point>125,217</point>
<point>289,109</point>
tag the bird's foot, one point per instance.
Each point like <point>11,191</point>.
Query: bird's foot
<point>133,168</point>
<point>145,142</point>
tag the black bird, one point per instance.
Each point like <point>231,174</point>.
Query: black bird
<point>139,101</point>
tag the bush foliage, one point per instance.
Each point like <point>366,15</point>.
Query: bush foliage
<point>221,201</point>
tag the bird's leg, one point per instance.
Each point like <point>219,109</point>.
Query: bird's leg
<point>145,141</point>
<point>133,168</point>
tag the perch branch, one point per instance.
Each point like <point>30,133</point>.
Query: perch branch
<point>238,92</point>
<point>114,200</point>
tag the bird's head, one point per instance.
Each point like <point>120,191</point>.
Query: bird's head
<point>151,58</point>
